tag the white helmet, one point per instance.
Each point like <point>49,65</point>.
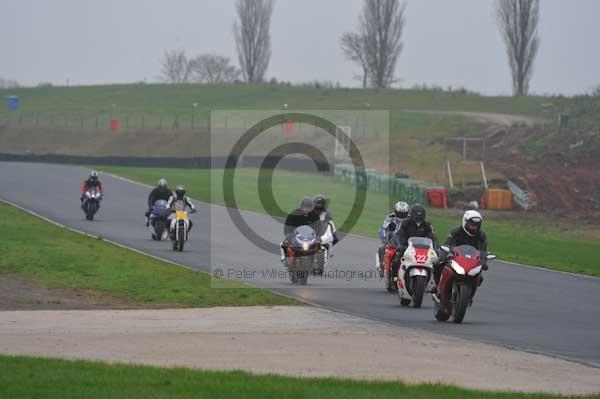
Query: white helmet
<point>94,174</point>
<point>163,183</point>
<point>472,221</point>
<point>401,209</point>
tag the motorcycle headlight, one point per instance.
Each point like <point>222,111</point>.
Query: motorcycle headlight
<point>474,272</point>
<point>458,268</point>
<point>305,245</point>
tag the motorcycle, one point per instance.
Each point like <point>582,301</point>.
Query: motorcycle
<point>378,258</point>
<point>388,277</point>
<point>159,220</point>
<point>301,254</point>
<point>458,283</point>
<point>91,202</point>
<point>415,271</point>
<point>179,228</point>
<point>326,242</point>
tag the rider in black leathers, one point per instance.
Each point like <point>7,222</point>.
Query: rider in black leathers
<point>414,226</point>
<point>160,192</point>
<point>302,216</point>
<point>325,215</point>
<point>469,233</point>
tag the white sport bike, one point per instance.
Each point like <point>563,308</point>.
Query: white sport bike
<point>180,227</point>
<point>415,271</point>
<point>326,241</point>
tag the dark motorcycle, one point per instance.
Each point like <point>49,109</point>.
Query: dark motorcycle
<point>301,252</point>
<point>91,202</point>
<point>159,220</point>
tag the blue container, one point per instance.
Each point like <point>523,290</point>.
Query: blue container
<point>12,102</point>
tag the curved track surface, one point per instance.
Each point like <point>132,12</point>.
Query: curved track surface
<point>525,308</point>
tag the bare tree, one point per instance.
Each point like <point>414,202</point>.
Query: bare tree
<point>175,67</point>
<point>353,47</point>
<point>518,21</point>
<point>252,37</point>
<point>377,44</point>
<point>213,68</point>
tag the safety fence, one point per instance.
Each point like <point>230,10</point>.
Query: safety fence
<point>200,120</point>
<point>409,190</point>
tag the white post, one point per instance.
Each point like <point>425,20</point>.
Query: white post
<point>485,183</point>
<point>450,174</point>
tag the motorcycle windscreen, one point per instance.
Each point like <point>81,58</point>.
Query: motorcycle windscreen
<point>420,242</point>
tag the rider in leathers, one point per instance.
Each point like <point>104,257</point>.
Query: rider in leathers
<point>179,202</point>
<point>92,181</point>
<point>325,215</point>
<point>305,215</point>
<point>160,192</point>
<point>390,225</point>
<point>414,226</point>
<point>469,233</point>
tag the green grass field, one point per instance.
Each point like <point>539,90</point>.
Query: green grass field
<point>25,377</point>
<point>179,98</point>
<point>517,241</point>
<point>57,258</point>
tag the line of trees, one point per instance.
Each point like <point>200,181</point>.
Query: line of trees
<point>203,68</point>
<point>375,46</point>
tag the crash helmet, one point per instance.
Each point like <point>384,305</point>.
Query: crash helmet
<point>180,192</point>
<point>93,175</point>
<point>471,222</point>
<point>320,203</point>
<point>417,214</point>
<point>307,205</point>
<point>163,183</point>
<point>401,209</point>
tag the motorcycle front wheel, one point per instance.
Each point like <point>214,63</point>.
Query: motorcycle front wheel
<point>463,296</point>
<point>418,290</point>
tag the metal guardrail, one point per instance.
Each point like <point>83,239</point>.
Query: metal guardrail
<point>520,196</point>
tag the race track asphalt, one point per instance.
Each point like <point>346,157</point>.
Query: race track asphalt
<point>529,309</point>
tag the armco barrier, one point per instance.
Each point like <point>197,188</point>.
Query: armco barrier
<point>287,163</point>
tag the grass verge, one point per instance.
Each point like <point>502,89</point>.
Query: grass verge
<point>26,377</point>
<point>58,258</point>
<point>513,240</point>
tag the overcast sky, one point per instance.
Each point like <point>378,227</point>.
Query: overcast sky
<point>447,42</point>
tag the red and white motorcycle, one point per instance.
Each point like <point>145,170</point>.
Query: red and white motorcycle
<point>415,271</point>
<point>459,281</point>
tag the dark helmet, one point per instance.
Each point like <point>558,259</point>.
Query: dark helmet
<point>307,205</point>
<point>417,213</point>
<point>320,202</point>
<point>180,192</point>
<point>401,210</point>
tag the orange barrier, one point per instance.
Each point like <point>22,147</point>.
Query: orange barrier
<point>497,199</point>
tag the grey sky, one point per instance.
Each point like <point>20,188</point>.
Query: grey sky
<point>447,42</point>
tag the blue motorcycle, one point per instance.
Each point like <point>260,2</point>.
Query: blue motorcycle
<point>159,220</point>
